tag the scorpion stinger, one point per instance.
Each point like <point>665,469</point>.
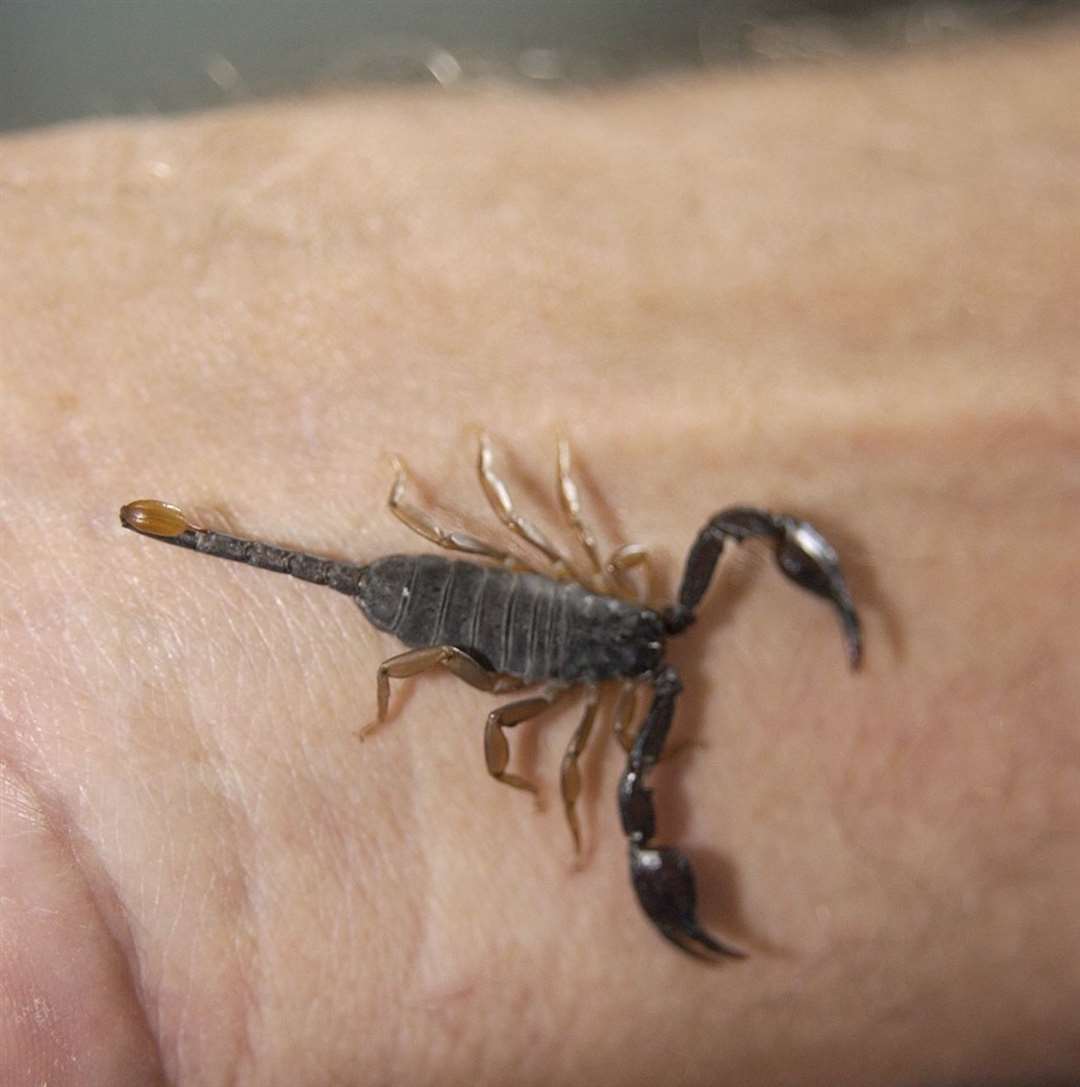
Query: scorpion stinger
<point>662,876</point>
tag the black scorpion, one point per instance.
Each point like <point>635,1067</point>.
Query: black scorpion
<point>504,625</point>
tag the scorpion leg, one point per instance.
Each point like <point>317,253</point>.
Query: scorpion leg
<point>661,875</point>
<point>626,558</point>
<point>570,501</point>
<point>612,573</point>
<point>802,553</point>
<point>496,746</point>
<point>499,498</point>
<point>421,523</point>
<point>622,715</point>
<point>457,661</point>
<point>622,721</point>
<point>569,774</point>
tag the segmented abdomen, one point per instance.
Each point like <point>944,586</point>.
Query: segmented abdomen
<point>519,624</point>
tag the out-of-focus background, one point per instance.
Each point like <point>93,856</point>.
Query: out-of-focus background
<point>61,59</point>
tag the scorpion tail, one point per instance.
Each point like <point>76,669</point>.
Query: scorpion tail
<point>164,521</point>
<point>661,875</point>
<point>664,882</point>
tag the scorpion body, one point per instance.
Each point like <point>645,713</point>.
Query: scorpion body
<point>501,625</point>
<point>524,625</point>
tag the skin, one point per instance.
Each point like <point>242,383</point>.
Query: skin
<point>847,293</point>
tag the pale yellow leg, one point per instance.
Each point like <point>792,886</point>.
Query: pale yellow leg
<point>570,501</point>
<point>497,747</point>
<point>622,715</point>
<point>415,661</point>
<point>421,523</point>
<point>499,498</point>
<point>624,558</point>
<point>625,729</point>
<point>570,774</point>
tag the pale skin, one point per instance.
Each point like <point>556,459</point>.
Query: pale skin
<point>845,293</point>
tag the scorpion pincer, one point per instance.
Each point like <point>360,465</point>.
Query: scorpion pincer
<point>501,624</point>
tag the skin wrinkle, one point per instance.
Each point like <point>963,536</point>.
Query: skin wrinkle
<point>318,813</point>
<point>238,846</point>
<point>22,1000</point>
<point>246,856</point>
<point>108,906</point>
<point>202,754</point>
<point>417,965</point>
<point>255,596</point>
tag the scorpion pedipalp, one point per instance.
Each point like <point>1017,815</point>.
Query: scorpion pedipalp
<point>802,553</point>
<point>808,559</point>
<point>664,882</point>
<point>661,875</point>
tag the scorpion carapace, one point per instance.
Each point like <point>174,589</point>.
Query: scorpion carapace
<point>503,624</point>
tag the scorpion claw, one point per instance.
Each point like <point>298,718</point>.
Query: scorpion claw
<point>808,559</point>
<point>664,882</point>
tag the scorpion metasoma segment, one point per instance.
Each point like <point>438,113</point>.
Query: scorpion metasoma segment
<point>502,624</point>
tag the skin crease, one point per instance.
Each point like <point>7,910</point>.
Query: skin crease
<point>847,293</point>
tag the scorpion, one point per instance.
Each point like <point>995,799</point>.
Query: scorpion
<point>503,624</point>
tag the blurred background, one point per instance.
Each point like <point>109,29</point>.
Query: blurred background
<point>61,59</point>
